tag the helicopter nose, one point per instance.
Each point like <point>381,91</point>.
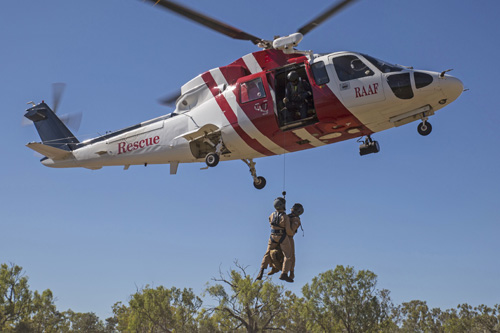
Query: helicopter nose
<point>451,87</point>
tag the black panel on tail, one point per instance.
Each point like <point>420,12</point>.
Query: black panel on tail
<point>51,129</point>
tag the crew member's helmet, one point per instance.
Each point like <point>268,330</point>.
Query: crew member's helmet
<point>280,203</point>
<point>298,209</point>
<point>293,77</point>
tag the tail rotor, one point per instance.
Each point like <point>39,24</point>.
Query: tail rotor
<point>57,93</point>
<point>52,128</point>
<point>72,120</point>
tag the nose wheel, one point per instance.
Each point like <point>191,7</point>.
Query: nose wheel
<point>259,182</point>
<point>424,128</point>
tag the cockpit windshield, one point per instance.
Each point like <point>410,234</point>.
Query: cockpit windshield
<point>383,66</point>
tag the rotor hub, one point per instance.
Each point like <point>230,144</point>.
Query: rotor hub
<point>287,43</point>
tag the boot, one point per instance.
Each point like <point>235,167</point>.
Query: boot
<point>291,275</point>
<point>272,271</point>
<point>285,277</point>
<point>259,276</point>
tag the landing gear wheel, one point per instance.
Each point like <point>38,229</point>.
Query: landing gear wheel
<point>212,159</point>
<point>424,128</point>
<point>259,183</point>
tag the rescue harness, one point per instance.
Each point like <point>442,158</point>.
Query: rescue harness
<point>275,222</point>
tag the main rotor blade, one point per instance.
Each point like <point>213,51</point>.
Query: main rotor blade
<point>207,21</point>
<point>57,92</point>
<point>324,16</point>
<point>170,99</point>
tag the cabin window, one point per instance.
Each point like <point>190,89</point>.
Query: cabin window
<point>401,85</point>
<point>350,67</point>
<point>319,72</point>
<point>384,67</point>
<point>252,90</point>
<point>422,80</point>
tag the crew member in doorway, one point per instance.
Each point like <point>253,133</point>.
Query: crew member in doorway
<point>297,93</point>
<point>280,230</point>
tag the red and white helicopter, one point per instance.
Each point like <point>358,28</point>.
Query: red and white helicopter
<point>239,111</point>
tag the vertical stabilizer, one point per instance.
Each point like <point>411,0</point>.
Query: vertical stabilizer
<point>51,129</point>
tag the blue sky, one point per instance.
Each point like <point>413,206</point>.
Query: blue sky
<point>423,214</point>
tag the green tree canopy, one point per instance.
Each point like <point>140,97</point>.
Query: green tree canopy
<point>15,297</point>
<point>348,299</point>
<point>339,300</point>
<point>159,310</point>
<point>255,306</point>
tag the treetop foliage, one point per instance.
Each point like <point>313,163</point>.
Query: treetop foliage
<point>338,300</point>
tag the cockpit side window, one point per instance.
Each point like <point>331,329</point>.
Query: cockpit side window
<point>319,72</point>
<point>401,85</point>
<point>252,90</point>
<point>350,67</point>
<point>422,80</point>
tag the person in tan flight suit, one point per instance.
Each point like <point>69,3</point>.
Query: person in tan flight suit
<point>280,230</point>
<point>296,211</point>
<point>277,258</point>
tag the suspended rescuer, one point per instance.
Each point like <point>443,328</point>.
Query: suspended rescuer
<point>276,256</point>
<point>280,230</point>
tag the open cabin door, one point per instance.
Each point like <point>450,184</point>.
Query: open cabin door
<point>256,111</point>
<point>294,103</point>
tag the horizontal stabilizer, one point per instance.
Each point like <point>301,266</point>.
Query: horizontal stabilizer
<point>49,151</point>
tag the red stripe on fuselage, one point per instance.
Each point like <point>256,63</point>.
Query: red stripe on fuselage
<point>333,117</point>
<point>267,124</point>
<point>231,116</point>
<point>268,60</point>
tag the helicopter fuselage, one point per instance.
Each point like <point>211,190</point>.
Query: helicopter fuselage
<point>240,111</point>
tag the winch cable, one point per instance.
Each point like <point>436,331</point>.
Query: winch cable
<point>284,177</point>
<point>284,165</point>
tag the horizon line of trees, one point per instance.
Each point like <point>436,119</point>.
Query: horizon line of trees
<point>338,300</point>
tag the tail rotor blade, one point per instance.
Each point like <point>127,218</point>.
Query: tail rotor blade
<point>57,92</point>
<point>72,120</point>
<point>26,122</point>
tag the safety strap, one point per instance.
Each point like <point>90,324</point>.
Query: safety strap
<point>280,241</point>
<point>275,221</point>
